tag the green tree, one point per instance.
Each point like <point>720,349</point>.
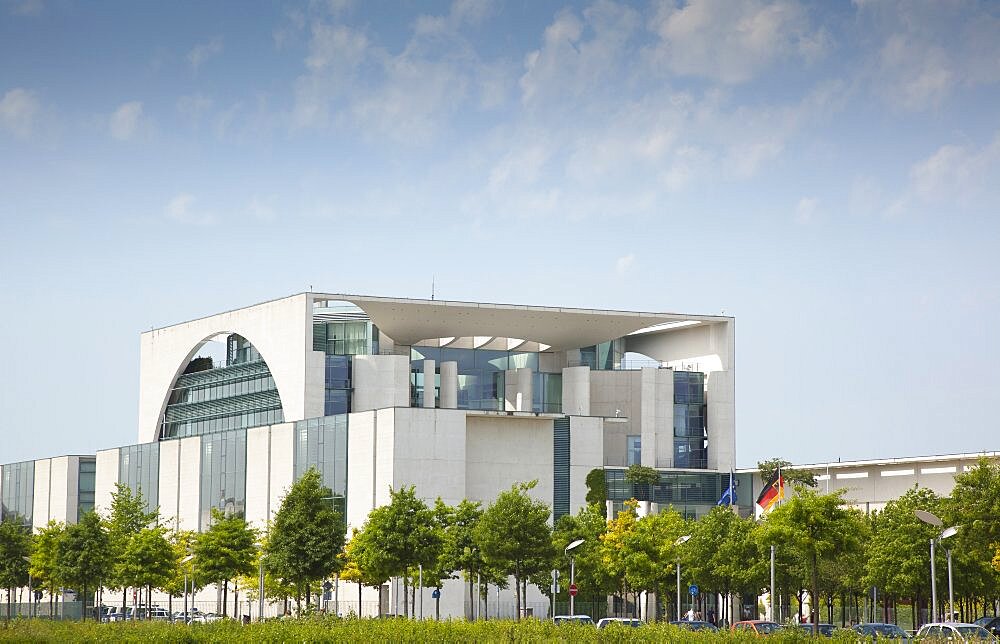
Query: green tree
<point>84,555</point>
<point>898,557</point>
<point>591,578</point>
<point>597,490</point>
<point>15,545</point>
<point>643,479</point>
<point>181,545</point>
<point>306,536</point>
<point>974,505</point>
<point>651,551</point>
<point>364,563</point>
<point>148,560</point>
<point>458,547</point>
<point>514,537</point>
<point>399,536</point>
<point>45,560</point>
<point>225,551</point>
<point>127,518</point>
<point>792,476</point>
<point>818,528</point>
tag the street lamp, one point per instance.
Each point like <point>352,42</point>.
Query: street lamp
<point>572,569</point>
<point>679,541</point>
<point>184,561</point>
<point>933,520</point>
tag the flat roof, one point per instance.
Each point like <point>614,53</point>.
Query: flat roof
<point>901,460</point>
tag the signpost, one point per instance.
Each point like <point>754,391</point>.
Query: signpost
<point>572,590</point>
<point>693,591</point>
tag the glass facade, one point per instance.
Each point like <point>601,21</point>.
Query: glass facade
<point>86,485</point>
<point>18,491</point>
<point>605,356</point>
<point>633,450</point>
<point>207,399</point>
<point>139,469</point>
<point>690,493</point>
<point>322,443</point>
<point>481,377</point>
<point>223,474</point>
<point>341,331</point>
<point>690,429</point>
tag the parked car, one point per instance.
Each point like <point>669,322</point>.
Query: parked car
<point>159,614</point>
<point>952,632</point>
<point>882,631</point>
<point>758,626</point>
<point>825,630</point>
<point>605,622</point>
<point>573,619</point>
<point>115,614</point>
<point>990,623</point>
<point>695,626</point>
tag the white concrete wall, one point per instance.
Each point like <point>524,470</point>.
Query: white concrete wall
<point>504,450</point>
<point>40,504</point>
<point>360,467</point>
<point>258,476</point>
<point>189,492</point>
<point>169,482</point>
<point>281,330</point>
<point>105,480</point>
<point>721,420</point>
<point>380,381</point>
<point>282,465</point>
<point>586,440</point>
<point>429,453</point>
<point>59,476</point>
<point>576,391</point>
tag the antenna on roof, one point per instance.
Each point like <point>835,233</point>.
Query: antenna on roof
<point>432,287</point>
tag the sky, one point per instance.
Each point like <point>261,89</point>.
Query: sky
<point>828,173</point>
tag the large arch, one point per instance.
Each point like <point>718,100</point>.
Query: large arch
<point>280,330</point>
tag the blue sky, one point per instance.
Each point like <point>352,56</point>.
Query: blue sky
<point>828,173</point>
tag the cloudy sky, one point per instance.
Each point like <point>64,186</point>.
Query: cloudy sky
<point>826,172</point>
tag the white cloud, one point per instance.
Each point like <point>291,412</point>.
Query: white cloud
<point>27,7</point>
<point>733,42</point>
<point>624,264</point>
<point>917,75</point>
<point>958,174</point>
<point>202,52</point>
<point>261,210</point>
<point>180,209</point>
<point>19,109</point>
<point>125,121</point>
<point>807,210</point>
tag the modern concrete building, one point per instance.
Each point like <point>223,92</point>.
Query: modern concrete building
<point>460,400</point>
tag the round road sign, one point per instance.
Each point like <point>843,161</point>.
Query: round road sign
<point>572,590</point>
<point>693,589</point>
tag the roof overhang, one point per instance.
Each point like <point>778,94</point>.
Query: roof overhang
<point>409,321</point>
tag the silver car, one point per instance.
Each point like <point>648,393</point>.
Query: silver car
<point>952,632</point>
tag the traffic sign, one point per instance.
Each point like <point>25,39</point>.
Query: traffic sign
<point>436,594</point>
<point>572,590</point>
<point>693,589</point>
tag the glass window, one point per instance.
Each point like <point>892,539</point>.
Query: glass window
<point>223,474</point>
<point>633,450</point>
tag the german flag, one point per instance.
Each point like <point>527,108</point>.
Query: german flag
<point>772,492</point>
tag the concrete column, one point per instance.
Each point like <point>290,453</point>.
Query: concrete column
<point>429,379</point>
<point>449,385</point>
<point>576,391</point>
<point>523,399</point>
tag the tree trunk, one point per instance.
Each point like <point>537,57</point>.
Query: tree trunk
<point>486,603</point>
<point>813,608</point>
<point>472,599</point>
<point>124,599</point>
<point>225,596</point>
<point>84,602</point>
<point>236,599</point>
<point>406,592</point>
<point>308,595</point>
<point>517,596</point>
<point>298,600</point>
<point>359,598</point>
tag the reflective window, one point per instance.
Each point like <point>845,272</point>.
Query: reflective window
<point>690,427</point>
<point>18,491</point>
<point>208,398</point>
<point>223,474</point>
<point>86,485</point>
<point>322,443</point>
<point>633,450</point>
<point>139,469</point>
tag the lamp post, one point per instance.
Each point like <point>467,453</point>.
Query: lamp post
<point>184,561</point>
<point>572,570</point>
<point>933,520</point>
<point>679,541</point>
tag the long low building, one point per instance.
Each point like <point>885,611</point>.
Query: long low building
<point>460,400</point>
